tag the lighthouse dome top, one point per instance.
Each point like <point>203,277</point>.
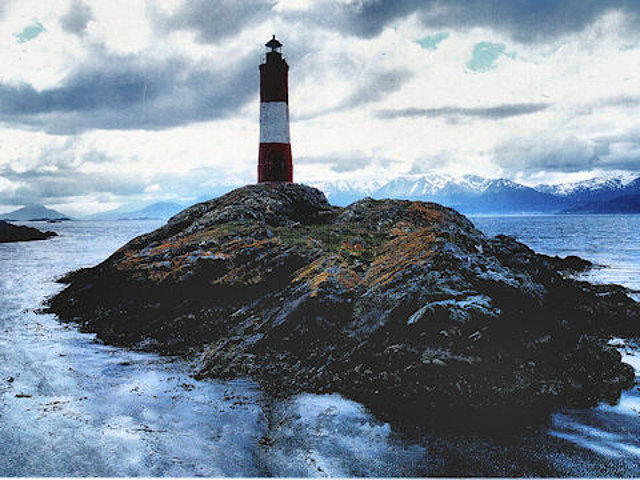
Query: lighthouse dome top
<point>273,44</point>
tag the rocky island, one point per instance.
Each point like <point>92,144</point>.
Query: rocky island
<point>404,306</point>
<point>18,233</point>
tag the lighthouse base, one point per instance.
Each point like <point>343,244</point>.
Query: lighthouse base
<point>275,163</point>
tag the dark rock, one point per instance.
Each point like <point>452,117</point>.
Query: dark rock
<point>402,305</point>
<point>17,233</point>
<point>572,264</point>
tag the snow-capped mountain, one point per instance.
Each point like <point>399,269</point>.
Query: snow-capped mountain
<point>473,194</point>
<point>417,186</point>
<point>343,192</point>
<point>598,188</point>
<point>469,193</point>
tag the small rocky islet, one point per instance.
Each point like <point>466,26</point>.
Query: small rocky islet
<point>403,306</point>
<point>20,233</point>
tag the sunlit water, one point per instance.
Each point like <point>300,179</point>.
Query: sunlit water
<point>70,405</point>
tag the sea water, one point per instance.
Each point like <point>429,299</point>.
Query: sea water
<point>612,242</point>
<point>72,406</point>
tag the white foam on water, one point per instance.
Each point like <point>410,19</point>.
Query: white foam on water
<point>329,435</point>
<point>597,447</point>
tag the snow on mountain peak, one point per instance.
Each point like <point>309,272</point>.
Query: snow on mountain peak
<point>596,184</point>
<point>463,190</point>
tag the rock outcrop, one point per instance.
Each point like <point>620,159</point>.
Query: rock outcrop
<point>17,233</point>
<point>402,305</point>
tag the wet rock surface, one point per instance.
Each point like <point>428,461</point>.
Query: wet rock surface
<point>17,233</point>
<point>401,305</point>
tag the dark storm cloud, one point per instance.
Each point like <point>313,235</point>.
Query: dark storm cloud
<point>546,151</point>
<point>629,162</point>
<point>77,18</point>
<point>554,151</point>
<point>129,93</point>
<point>214,20</point>
<point>617,101</point>
<point>620,151</point>
<point>490,113</point>
<point>58,175</point>
<point>368,88</point>
<point>525,20</point>
<point>622,101</point>
<point>377,86</point>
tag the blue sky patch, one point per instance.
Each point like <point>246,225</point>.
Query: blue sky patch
<point>485,55</point>
<point>30,32</point>
<point>430,42</point>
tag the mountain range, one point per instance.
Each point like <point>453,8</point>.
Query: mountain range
<point>32,213</point>
<point>471,194</point>
<point>158,210</point>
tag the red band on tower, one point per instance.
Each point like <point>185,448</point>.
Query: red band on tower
<point>275,163</point>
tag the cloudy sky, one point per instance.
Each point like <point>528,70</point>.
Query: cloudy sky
<point>116,102</point>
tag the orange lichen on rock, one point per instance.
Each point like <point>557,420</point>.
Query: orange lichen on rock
<point>128,261</point>
<point>425,211</point>
<point>405,250</point>
<point>177,243</point>
<point>348,278</point>
<point>325,270</point>
<point>315,274</point>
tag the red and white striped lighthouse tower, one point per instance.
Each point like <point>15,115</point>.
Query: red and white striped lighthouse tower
<point>274,159</point>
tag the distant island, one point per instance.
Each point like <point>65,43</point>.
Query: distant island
<point>402,305</point>
<point>33,213</point>
<point>17,233</point>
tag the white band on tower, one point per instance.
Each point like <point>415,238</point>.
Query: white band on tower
<point>274,122</point>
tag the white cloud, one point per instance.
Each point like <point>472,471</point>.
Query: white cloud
<point>121,25</point>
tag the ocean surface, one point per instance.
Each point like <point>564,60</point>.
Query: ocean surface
<point>72,406</point>
<point>610,241</point>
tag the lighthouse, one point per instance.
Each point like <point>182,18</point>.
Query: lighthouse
<point>274,158</point>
